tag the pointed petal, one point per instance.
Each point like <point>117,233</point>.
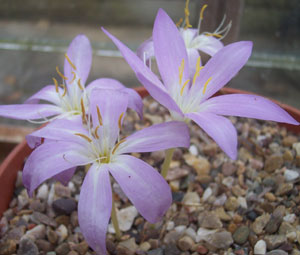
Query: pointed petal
<point>65,176</point>
<point>250,106</point>
<point>169,49</point>
<point>111,104</point>
<point>222,67</point>
<point>219,129</point>
<point>94,207</point>
<point>50,159</point>
<point>47,93</point>
<point>135,102</point>
<point>33,141</point>
<point>80,53</point>
<point>29,111</point>
<point>208,44</point>
<point>143,185</point>
<point>163,136</point>
<point>146,50</point>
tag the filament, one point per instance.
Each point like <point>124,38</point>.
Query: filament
<point>79,84</point>
<point>99,116</point>
<point>56,84</point>
<point>84,136</point>
<point>60,74</point>
<point>181,69</point>
<point>205,85</point>
<point>74,77</point>
<point>120,120</point>
<point>117,145</point>
<point>70,62</point>
<point>184,85</point>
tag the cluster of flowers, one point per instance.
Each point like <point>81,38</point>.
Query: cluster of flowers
<point>86,121</point>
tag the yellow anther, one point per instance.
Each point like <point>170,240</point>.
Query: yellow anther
<point>99,116</point>
<point>56,84</point>
<point>179,22</point>
<point>74,77</point>
<point>82,109</point>
<point>198,68</point>
<point>85,137</point>
<point>65,90</point>
<point>184,85</point>
<point>60,74</point>
<point>214,34</point>
<point>117,145</point>
<point>187,14</point>
<point>181,69</point>
<point>120,120</point>
<point>79,84</point>
<point>70,62</point>
<point>202,11</point>
<point>205,85</point>
<point>96,132</point>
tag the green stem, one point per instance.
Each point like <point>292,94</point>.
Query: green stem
<point>167,162</point>
<point>115,222</point>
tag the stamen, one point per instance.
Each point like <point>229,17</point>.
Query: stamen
<point>202,11</point>
<point>85,137</point>
<point>65,90</point>
<point>79,84</point>
<point>74,77</point>
<point>181,69</point>
<point>117,145</point>
<point>120,120</point>
<point>96,132</point>
<point>187,14</point>
<point>60,74</point>
<point>205,85</point>
<point>70,62</point>
<point>213,34</point>
<point>56,84</point>
<point>179,22</point>
<point>99,116</point>
<point>82,110</point>
<point>184,85</point>
<point>198,68</point>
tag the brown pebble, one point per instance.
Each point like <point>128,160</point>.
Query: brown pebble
<point>62,219</point>
<point>52,236</point>
<point>185,243</point>
<point>202,250</point>
<point>81,247</point>
<point>44,245</point>
<point>62,249</point>
<point>232,227</point>
<point>288,156</point>
<point>8,247</point>
<point>273,162</point>
<point>270,196</point>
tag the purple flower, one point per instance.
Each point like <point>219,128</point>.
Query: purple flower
<point>101,146</point>
<point>209,43</point>
<point>190,98</point>
<point>71,97</point>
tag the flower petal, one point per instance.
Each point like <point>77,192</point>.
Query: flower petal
<point>221,68</point>
<point>170,50</point>
<point>163,136</point>
<point>47,93</point>
<point>208,44</point>
<point>135,102</point>
<point>146,50</point>
<point>80,53</point>
<point>50,159</point>
<point>94,207</point>
<point>65,176</point>
<point>29,111</point>
<point>193,55</point>
<point>143,185</point>
<point>250,106</point>
<point>112,105</point>
<point>219,129</point>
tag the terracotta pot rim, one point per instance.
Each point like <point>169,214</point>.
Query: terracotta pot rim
<point>14,161</point>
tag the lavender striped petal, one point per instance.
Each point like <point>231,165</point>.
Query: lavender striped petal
<point>65,176</point>
<point>146,50</point>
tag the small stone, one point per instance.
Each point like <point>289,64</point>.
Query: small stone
<point>62,233</point>
<point>290,218</point>
<point>128,247</point>
<point>37,206</point>
<point>62,249</point>
<point>228,181</point>
<point>74,219</point>
<point>191,198</point>
<point>42,192</point>
<point>61,190</point>
<point>171,249</point>
<point>52,236</point>
<point>203,234</point>
<point>286,228</point>
<point>158,251</point>
<point>38,232</point>
<point>231,204</point>
<point>210,149</point>
<point>276,219</point>
<point>44,245</point>
<point>176,173</point>
<point>284,189</point>
<point>296,147</point>
<point>185,243</point>
<point>71,253</point>
<point>242,202</point>
<point>260,248</point>
<point>126,218</point>
<point>62,219</point>
<point>273,162</point>
<point>222,214</point>
<point>145,246</point>
<point>288,156</point>
<point>200,164</point>
<point>27,247</point>
<point>81,247</point>
<point>172,236</point>
<point>274,241</point>
<point>228,169</point>
<point>8,247</point>
<point>270,197</point>
<point>207,193</point>
<point>193,150</point>
<point>220,200</point>
<point>16,233</point>
<point>277,252</point>
<point>201,250</point>
<point>220,240</point>
<point>289,140</point>
<point>240,236</point>
<point>64,206</point>
<point>260,223</point>
<point>290,175</point>
<point>209,220</point>
<point>38,218</point>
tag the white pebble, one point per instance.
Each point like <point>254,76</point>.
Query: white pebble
<point>126,217</point>
<point>62,233</point>
<point>170,225</point>
<point>207,193</point>
<point>72,187</point>
<point>228,181</point>
<point>42,192</point>
<point>179,229</point>
<point>296,147</point>
<point>193,150</point>
<point>220,200</point>
<point>260,248</point>
<point>242,202</point>
<point>203,234</point>
<point>191,233</point>
<point>290,218</point>
<point>290,175</point>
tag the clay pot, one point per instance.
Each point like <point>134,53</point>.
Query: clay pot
<point>15,160</point>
